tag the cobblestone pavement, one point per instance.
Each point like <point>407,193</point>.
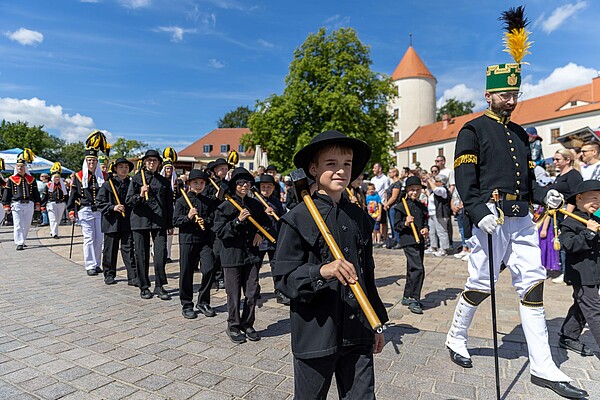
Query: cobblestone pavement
<point>65,335</point>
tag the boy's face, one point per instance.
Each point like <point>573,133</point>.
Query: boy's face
<point>221,170</point>
<point>197,185</point>
<point>414,191</point>
<point>370,190</point>
<point>588,201</point>
<point>122,170</point>
<point>266,189</point>
<point>242,186</point>
<point>332,169</point>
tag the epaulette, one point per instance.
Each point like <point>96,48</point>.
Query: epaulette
<point>79,175</point>
<point>29,179</point>
<point>16,179</point>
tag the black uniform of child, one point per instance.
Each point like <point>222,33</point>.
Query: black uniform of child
<point>329,331</point>
<point>414,252</point>
<point>211,192</point>
<point>116,227</point>
<point>195,245</point>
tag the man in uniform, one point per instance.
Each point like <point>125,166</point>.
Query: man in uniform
<point>21,197</point>
<point>494,172</point>
<point>2,186</point>
<point>168,171</point>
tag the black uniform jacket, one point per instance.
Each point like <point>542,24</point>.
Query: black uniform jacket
<point>417,210</point>
<point>234,237</point>
<point>113,221</point>
<point>157,211</point>
<point>189,230</point>
<point>492,155</point>
<point>21,188</point>
<point>325,314</point>
<point>582,246</point>
<point>274,202</point>
<point>80,197</point>
<point>55,196</point>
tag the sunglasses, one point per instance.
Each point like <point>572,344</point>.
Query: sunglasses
<point>242,182</point>
<point>557,159</point>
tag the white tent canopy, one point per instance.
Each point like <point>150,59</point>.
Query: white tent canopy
<point>38,166</point>
<point>260,157</point>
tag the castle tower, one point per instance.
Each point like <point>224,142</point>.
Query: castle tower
<point>414,105</point>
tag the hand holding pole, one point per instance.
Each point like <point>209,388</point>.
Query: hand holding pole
<point>412,224</point>
<point>189,203</point>
<point>144,182</point>
<point>264,202</point>
<point>116,195</point>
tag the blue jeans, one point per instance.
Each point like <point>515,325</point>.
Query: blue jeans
<point>395,233</point>
<point>45,218</point>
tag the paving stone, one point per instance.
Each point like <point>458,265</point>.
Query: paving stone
<point>56,391</point>
<point>8,391</point>
<point>153,382</point>
<point>91,381</point>
<point>179,390</point>
<point>114,391</point>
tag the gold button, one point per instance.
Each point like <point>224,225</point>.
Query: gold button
<point>517,190</point>
<point>517,165</point>
<point>509,140</point>
<point>512,149</point>
<point>518,173</point>
<point>508,133</point>
<point>514,157</point>
<point>518,182</point>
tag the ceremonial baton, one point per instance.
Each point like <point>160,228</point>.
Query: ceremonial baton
<point>144,182</point>
<point>412,224</point>
<point>499,221</point>
<point>262,200</point>
<point>189,203</point>
<point>116,196</point>
<point>72,235</point>
<point>240,208</point>
<point>301,185</point>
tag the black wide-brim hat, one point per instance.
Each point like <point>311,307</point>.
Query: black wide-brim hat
<point>239,173</point>
<point>361,151</point>
<point>152,153</point>
<point>217,162</point>
<point>271,167</point>
<point>413,180</point>
<point>585,186</point>
<point>265,178</point>
<point>121,160</point>
<point>198,174</point>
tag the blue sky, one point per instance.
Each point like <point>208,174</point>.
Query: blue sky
<point>164,71</point>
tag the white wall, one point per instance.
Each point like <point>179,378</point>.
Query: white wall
<point>416,104</point>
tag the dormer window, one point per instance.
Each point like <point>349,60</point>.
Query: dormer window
<point>224,148</point>
<point>207,148</point>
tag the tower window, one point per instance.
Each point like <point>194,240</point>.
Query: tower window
<point>396,136</point>
<point>554,134</point>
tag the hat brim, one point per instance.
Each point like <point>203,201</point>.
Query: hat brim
<point>129,164</point>
<point>361,154</point>
<point>234,179</point>
<point>212,168</point>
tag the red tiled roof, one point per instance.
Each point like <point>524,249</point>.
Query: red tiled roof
<point>411,66</point>
<point>216,138</point>
<point>528,112</point>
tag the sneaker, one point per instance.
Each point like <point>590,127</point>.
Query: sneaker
<point>460,255</point>
<point>440,253</point>
<point>575,346</point>
<point>252,335</point>
<point>236,336</point>
<point>415,307</point>
<point>377,245</point>
<point>109,280</point>
<point>282,298</point>
<point>559,279</point>
<point>405,301</point>
<point>466,257</point>
<point>430,251</point>
<point>188,313</point>
<point>91,272</point>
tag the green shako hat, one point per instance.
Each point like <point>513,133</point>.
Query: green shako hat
<point>507,77</point>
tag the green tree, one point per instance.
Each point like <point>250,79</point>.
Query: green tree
<point>330,85</point>
<point>237,118</point>
<point>127,148</point>
<point>20,134</point>
<point>455,108</point>
<point>71,155</point>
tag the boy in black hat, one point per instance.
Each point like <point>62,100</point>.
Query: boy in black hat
<point>582,267</point>
<point>414,252</point>
<point>116,224</point>
<point>238,240</point>
<point>151,199</point>
<point>195,244</point>
<point>330,333</point>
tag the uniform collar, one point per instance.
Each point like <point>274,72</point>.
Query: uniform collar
<point>502,120</point>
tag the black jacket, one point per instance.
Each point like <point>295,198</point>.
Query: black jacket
<point>274,202</point>
<point>419,211</point>
<point>113,221</point>
<point>490,155</point>
<point>189,230</point>
<point>325,315</point>
<point>234,238</point>
<point>55,196</point>
<point>582,247</point>
<point>21,188</point>
<point>157,212</point>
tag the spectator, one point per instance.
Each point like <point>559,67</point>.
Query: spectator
<point>589,156</point>
<point>438,206</point>
<point>576,151</point>
<point>41,184</point>
<point>374,208</point>
<point>535,144</point>
<point>381,182</point>
<point>458,210</point>
<point>393,197</point>
<point>440,161</point>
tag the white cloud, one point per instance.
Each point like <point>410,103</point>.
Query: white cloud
<point>214,63</point>
<point>463,93</point>
<point>265,44</point>
<point>26,37</point>
<point>36,112</point>
<point>135,3</point>
<point>561,78</point>
<point>175,31</point>
<point>89,1</point>
<point>560,15</point>
<point>337,21</point>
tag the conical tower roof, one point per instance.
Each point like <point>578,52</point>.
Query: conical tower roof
<point>411,66</point>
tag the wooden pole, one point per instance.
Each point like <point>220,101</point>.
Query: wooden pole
<point>262,200</point>
<point>144,182</point>
<point>412,224</point>
<point>189,203</point>
<point>116,195</point>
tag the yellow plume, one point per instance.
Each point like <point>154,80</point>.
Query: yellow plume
<point>56,168</point>
<point>516,43</point>
<point>28,155</point>
<point>169,154</point>
<point>1,164</point>
<point>97,141</point>
<point>233,157</point>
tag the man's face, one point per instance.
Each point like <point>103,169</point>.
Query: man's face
<point>122,170</point>
<point>242,186</point>
<point>168,171</point>
<point>440,163</point>
<point>91,163</point>
<point>151,164</point>
<point>56,179</point>
<point>588,153</point>
<point>503,103</point>
<point>271,172</point>
<point>377,169</point>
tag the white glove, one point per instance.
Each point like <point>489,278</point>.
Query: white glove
<point>488,224</point>
<point>554,199</point>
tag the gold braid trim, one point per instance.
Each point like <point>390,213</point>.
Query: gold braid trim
<point>465,159</point>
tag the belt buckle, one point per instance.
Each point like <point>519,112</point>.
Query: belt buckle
<point>510,197</point>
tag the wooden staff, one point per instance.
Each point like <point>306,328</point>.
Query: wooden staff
<point>189,203</point>
<point>575,217</point>
<point>144,182</point>
<point>352,197</point>
<point>250,218</point>
<point>299,178</point>
<point>116,195</point>
<point>412,224</point>
<point>262,200</point>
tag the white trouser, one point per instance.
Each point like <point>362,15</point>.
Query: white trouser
<point>516,244</point>
<point>169,244</point>
<point>22,214</point>
<point>438,233</point>
<point>55,214</point>
<point>92,236</point>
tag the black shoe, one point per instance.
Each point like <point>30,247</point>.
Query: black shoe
<point>109,280</point>
<point>146,294</point>
<point>396,246</point>
<point>236,336</point>
<point>91,272</point>
<point>405,301</point>
<point>169,261</point>
<point>133,283</point>
<point>252,335</point>
<point>206,309</point>
<point>282,299</point>
<point>575,346</point>
<point>20,247</point>
<point>460,360</point>
<point>99,270</point>
<point>55,237</point>
<point>220,284</point>
<point>188,313</point>
<point>564,389</point>
<point>415,307</point>
<point>162,293</point>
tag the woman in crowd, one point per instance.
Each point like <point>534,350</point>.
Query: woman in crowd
<point>393,197</point>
